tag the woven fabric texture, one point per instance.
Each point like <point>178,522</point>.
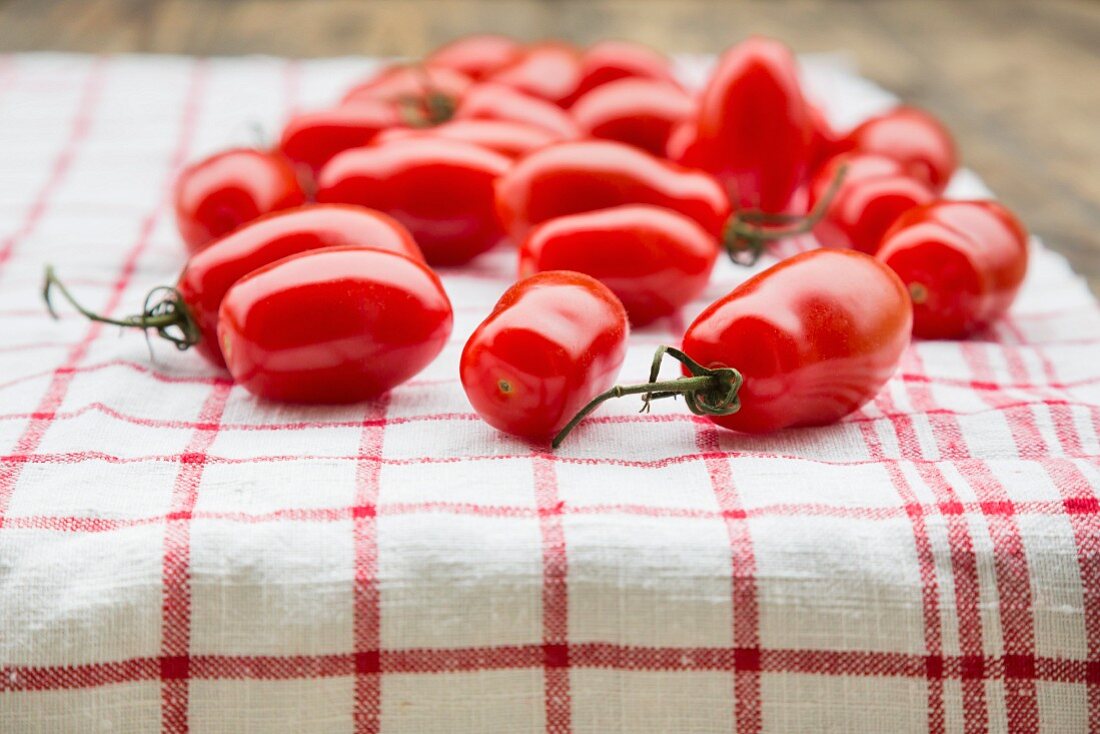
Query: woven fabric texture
<point>176,556</point>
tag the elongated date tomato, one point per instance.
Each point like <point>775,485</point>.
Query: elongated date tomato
<point>550,71</point>
<point>552,342</point>
<point>500,102</point>
<point>912,137</point>
<point>476,56</point>
<point>612,60</point>
<point>188,313</point>
<point>513,139</point>
<point>875,191</point>
<point>963,262</point>
<point>753,128</point>
<point>653,259</point>
<point>218,194</point>
<point>410,83</point>
<point>570,178</point>
<point>337,325</point>
<point>803,343</point>
<point>638,112</point>
<point>313,138</point>
<point>824,138</point>
<point>442,190</point>
<point>814,337</point>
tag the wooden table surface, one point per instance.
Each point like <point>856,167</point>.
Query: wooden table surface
<point>1018,82</point>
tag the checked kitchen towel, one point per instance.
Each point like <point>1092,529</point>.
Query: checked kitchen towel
<point>175,555</point>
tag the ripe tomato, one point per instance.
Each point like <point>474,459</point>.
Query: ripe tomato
<point>753,129</point>
<point>609,61</point>
<point>550,71</point>
<point>188,315</point>
<point>680,146</point>
<point>570,178</point>
<point>653,259</point>
<point>313,138</point>
<point>442,190</point>
<point>552,342</point>
<point>337,325</point>
<point>476,56</point>
<point>803,343</point>
<point>912,137</point>
<point>823,138</point>
<point>513,139</point>
<point>814,337</point>
<point>499,102</point>
<point>638,112</point>
<point>218,194</point>
<point>424,91</point>
<point>875,191</point>
<point>963,262</point>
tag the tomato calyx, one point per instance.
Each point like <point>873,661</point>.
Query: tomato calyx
<point>164,311</point>
<point>708,391</point>
<point>750,230</point>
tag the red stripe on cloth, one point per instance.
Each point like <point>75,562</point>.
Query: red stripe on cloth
<point>1082,504</point>
<point>36,428</point>
<point>428,661</point>
<point>72,677</point>
<point>82,123</point>
<point>1061,412</point>
<point>743,602</point>
<point>454,660</point>
<point>984,386</point>
<point>947,449</point>
<point>555,597</point>
<point>176,575</point>
<point>964,563</point>
<point>1025,434</point>
<point>75,524</point>
<point>368,604</point>
<point>926,564</point>
<point>76,457</point>
<point>1010,563</point>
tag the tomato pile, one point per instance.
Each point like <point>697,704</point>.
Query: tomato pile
<point>311,274</point>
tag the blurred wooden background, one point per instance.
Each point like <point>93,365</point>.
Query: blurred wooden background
<point>1017,80</point>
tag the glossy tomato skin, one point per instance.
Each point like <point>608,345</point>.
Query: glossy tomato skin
<point>218,194</point>
<point>570,178</point>
<point>612,60</point>
<point>654,260</point>
<point>499,102</point>
<point>963,262</point>
<point>638,112</point>
<point>403,83</point>
<point>337,325</point>
<point>753,129</point>
<point>912,137</point>
<point>209,274</point>
<point>551,71</point>
<point>442,190</point>
<point>824,138</point>
<point>876,191</point>
<point>313,138</point>
<point>815,337</point>
<point>513,139</point>
<point>476,56</point>
<point>552,343</point>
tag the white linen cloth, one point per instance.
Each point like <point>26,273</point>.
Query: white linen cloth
<point>175,554</point>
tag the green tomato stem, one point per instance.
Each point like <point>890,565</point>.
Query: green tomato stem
<point>709,391</point>
<point>749,230</point>
<point>169,316</point>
